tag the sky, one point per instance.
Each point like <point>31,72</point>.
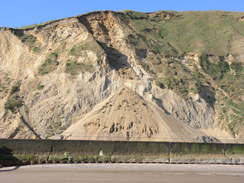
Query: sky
<point>16,13</point>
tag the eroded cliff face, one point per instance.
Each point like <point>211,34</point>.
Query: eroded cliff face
<point>122,76</point>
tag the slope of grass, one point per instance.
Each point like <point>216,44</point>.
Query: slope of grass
<point>49,65</point>
<point>14,101</point>
<point>74,68</point>
<point>204,32</point>
<point>168,35</point>
<point>77,49</point>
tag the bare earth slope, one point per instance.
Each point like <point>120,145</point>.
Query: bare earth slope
<point>175,76</point>
<point>127,115</point>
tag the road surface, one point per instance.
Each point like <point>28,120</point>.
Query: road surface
<point>123,173</point>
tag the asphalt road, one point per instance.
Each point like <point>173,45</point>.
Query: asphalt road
<point>126,173</point>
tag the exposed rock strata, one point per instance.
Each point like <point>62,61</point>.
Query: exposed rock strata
<point>95,77</point>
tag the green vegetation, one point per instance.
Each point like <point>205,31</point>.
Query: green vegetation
<point>50,64</point>
<point>238,68</point>
<point>40,86</point>
<point>136,14</point>
<point>13,103</point>
<point>77,50</point>
<point>215,70</point>
<point>230,79</point>
<point>177,77</point>
<point>15,88</point>
<point>28,39</point>
<point>233,81</point>
<point>66,157</point>
<point>160,83</point>
<point>36,152</point>
<point>163,42</point>
<point>200,32</point>
<point>36,49</point>
<point>36,25</point>
<point>74,68</point>
<point>232,114</point>
<point>179,85</point>
<point>236,116</point>
<point>1,88</point>
<point>169,35</point>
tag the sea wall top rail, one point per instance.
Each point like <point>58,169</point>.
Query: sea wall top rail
<point>118,147</point>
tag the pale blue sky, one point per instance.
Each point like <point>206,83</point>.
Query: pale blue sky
<point>15,13</point>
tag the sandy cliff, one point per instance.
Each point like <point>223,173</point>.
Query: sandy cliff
<point>124,76</point>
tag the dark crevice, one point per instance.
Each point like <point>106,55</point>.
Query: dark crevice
<point>208,94</point>
<point>29,127</point>
<point>14,133</point>
<point>24,120</point>
<point>160,104</point>
<point>83,20</point>
<point>116,59</point>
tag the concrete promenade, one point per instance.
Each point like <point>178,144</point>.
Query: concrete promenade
<point>120,173</point>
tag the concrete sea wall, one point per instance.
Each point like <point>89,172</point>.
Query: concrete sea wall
<point>66,151</point>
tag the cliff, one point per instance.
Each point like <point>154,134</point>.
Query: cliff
<point>175,76</point>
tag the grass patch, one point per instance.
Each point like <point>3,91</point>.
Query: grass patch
<point>236,119</point>
<point>28,39</point>
<point>215,70</point>
<point>177,77</point>
<point>233,84</point>
<point>36,50</point>
<point>13,103</point>
<point>238,68</point>
<point>74,68</point>
<point>36,25</point>
<point>233,114</point>
<point>77,50</point>
<point>136,14</point>
<point>2,88</point>
<point>15,88</point>
<point>209,32</point>
<point>173,83</point>
<point>160,83</point>
<point>40,86</point>
<point>49,65</point>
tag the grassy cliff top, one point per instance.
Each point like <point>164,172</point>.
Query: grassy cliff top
<point>210,32</point>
